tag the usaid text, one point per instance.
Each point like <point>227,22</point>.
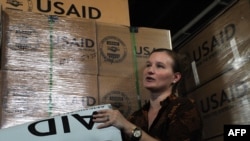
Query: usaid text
<point>60,9</point>
<point>52,130</point>
<point>209,46</point>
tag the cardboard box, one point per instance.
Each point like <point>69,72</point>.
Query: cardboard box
<point>72,91</point>
<point>120,92</point>
<point>75,47</point>
<point>1,97</point>
<point>224,100</point>
<point>26,97</point>
<point>109,11</point>
<point>1,30</point>
<point>115,52</point>
<point>211,51</point>
<point>42,43</point>
<point>23,44</point>
<point>30,96</point>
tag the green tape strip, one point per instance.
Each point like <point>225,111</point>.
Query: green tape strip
<point>51,24</point>
<point>133,39</point>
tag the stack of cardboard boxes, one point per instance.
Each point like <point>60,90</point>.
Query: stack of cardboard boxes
<point>52,65</point>
<point>217,70</point>
<point>45,63</point>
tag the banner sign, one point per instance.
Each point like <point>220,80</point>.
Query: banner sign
<point>74,126</point>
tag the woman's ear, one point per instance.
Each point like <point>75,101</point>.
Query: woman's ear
<point>177,77</point>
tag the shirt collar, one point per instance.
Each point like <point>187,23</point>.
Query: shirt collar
<point>163,103</point>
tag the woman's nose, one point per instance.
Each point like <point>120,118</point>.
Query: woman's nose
<point>151,70</point>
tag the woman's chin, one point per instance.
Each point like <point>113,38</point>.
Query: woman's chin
<point>150,88</point>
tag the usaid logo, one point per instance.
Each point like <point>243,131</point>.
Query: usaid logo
<point>239,132</point>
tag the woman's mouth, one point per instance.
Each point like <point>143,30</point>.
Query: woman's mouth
<point>149,79</point>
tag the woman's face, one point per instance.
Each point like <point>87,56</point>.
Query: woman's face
<point>158,74</point>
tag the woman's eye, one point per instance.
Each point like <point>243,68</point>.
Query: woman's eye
<point>148,65</point>
<point>160,66</point>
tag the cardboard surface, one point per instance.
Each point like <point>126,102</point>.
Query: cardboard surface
<point>120,92</point>
<point>64,44</point>
<point>31,95</point>
<point>109,11</point>
<point>115,51</point>
<point>224,100</point>
<point>213,50</point>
